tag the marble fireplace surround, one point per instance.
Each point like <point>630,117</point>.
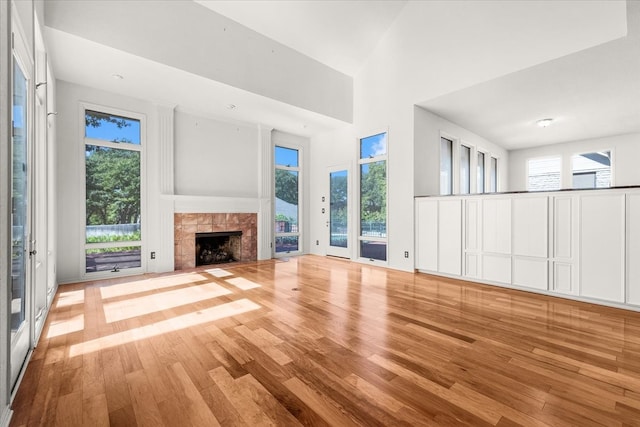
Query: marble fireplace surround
<point>186,225</point>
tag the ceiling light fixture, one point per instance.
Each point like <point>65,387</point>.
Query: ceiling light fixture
<point>117,76</point>
<point>543,123</point>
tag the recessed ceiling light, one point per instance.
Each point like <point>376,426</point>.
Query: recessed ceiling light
<point>231,106</point>
<point>543,123</point>
<point>117,76</point>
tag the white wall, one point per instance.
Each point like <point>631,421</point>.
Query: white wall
<point>428,128</point>
<point>625,154</point>
<point>193,38</point>
<point>302,144</point>
<point>215,158</point>
<point>70,173</point>
<point>338,148</point>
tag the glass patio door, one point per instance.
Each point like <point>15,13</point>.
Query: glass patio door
<point>19,292</point>
<point>338,223</point>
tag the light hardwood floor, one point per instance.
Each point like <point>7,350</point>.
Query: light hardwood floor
<point>353,345</point>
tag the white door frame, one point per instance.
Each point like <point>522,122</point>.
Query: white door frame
<point>337,250</point>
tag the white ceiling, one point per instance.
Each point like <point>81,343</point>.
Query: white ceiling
<point>589,94</point>
<point>92,64</point>
<point>340,34</point>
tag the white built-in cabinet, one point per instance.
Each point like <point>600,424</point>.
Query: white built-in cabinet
<point>439,231</point>
<point>578,244</point>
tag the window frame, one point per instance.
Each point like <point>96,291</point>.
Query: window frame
<point>482,181</point>
<point>529,159</point>
<point>84,141</point>
<point>491,174</point>
<point>453,159</point>
<point>358,198</point>
<point>299,169</point>
<point>611,166</point>
<point>461,146</point>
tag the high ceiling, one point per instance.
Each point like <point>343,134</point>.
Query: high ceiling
<point>591,93</point>
<point>340,34</point>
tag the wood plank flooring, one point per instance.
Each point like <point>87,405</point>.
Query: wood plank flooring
<point>355,345</point>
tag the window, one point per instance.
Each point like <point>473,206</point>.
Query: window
<point>465,169</point>
<point>592,170</point>
<point>480,172</point>
<point>494,175</point>
<point>113,148</point>
<point>287,197</point>
<point>544,174</point>
<point>373,197</point>
<point>446,166</point>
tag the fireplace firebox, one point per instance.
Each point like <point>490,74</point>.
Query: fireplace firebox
<point>218,247</point>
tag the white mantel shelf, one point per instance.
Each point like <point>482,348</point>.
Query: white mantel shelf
<point>582,245</point>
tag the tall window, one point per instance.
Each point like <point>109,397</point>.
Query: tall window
<point>373,197</point>
<point>287,206</point>
<point>592,170</point>
<point>544,174</point>
<point>494,175</point>
<point>446,166</point>
<point>480,179</point>
<point>113,148</point>
<point>465,169</point>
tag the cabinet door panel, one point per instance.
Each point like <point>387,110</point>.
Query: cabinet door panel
<point>496,226</point>
<point>633,248</point>
<point>530,228</point>
<point>427,238</point>
<point>602,251</point>
<point>530,272</point>
<point>450,237</point>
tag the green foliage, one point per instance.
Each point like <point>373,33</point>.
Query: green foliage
<point>287,186</point>
<point>338,198</point>
<point>112,250</point>
<point>282,217</point>
<point>373,186</point>
<point>131,237</point>
<point>112,186</point>
<point>95,119</point>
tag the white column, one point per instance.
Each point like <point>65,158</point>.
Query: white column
<point>265,193</point>
<point>165,203</point>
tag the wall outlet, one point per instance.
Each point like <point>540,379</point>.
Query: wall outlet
<point>317,242</point>
<point>153,255</point>
<point>406,254</point>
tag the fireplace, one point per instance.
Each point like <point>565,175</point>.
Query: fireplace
<point>218,247</point>
<point>188,225</point>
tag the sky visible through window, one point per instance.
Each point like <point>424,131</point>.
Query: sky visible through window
<point>109,131</point>
<point>286,157</point>
<point>373,146</point>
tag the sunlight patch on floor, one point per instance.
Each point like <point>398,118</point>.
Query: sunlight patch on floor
<point>67,326</point>
<point>68,298</point>
<point>134,307</point>
<point>146,285</point>
<point>177,323</point>
<point>242,283</point>
<point>218,272</point>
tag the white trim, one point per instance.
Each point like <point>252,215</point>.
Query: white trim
<point>359,237</point>
<point>611,166</point>
<point>300,170</point>
<point>140,148</point>
<point>334,250</point>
